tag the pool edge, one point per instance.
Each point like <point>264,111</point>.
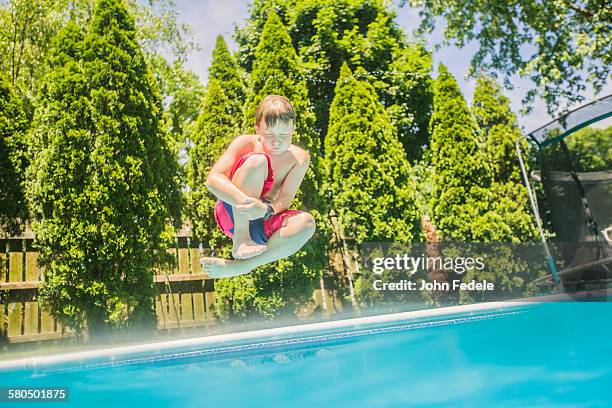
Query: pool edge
<point>112,352</point>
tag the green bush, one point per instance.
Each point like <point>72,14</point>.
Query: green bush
<point>104,178</point>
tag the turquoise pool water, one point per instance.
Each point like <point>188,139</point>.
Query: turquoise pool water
<point>534,355</point>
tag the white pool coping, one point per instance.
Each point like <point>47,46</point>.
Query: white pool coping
<point>113,352</point>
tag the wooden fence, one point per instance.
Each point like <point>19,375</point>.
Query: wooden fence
<point>22,318</point>
<point>185,297</point>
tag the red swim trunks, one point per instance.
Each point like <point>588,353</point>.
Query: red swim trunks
<point>260,229</point>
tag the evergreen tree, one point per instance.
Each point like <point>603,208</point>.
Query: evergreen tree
<point>461,175</point>
<point>410,97</point>
<point>224,69</point>
<point>13,124</point>
<point>103,180</point>
<point>248,37</point>
<point>367,173</point>
<point>217,125</point>
<point>500,131</point>
<point>469,204</point>
<point>285,284</point>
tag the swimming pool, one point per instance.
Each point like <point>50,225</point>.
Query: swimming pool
<point>495,354</point>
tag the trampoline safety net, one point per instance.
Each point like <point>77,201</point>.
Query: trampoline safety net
<point>576,176</point>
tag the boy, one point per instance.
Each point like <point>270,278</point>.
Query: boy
<point>255,180</point>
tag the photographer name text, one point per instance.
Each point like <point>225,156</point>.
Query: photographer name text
<point>433,285</point>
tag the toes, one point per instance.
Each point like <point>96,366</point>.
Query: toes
<point>209,273</point>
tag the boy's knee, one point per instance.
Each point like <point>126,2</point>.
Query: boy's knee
<point>309,223</point>
<point>256,161</point>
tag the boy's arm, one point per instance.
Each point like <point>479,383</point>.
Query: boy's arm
<point>292,182</point>
<point>218,181</point>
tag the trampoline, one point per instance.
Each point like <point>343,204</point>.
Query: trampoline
<point>578,197</point>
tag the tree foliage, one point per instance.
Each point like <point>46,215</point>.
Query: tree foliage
<point>28,27</point>
<point>167,44</point>
<point>498,128</point>
<point>560,45</point>
<point>500,132</point>
<point>367,175</point>
<point>409,98</point>
<point>478,196</point>
<point>14,122</point>
<point>103,179</point>
<point>26,30</point>
<point>277,70</point>
<point>459,200</point>
<point>114,103</point>
<point>366,170</point>
<point>590,149</point>
<point>182,92</point>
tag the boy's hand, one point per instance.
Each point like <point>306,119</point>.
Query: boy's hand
<point>252,208</point>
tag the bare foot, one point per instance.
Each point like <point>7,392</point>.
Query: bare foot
<point>244,249</point>
<point>221,268</point>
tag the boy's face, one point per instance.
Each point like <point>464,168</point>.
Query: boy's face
<point>275,139</point>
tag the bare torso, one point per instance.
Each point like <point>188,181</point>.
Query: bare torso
<point>281,164</point>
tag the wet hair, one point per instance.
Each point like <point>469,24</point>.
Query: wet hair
<point>273,108</point>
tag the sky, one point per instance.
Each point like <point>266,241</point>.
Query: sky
<point>209,18</point>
